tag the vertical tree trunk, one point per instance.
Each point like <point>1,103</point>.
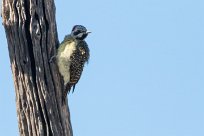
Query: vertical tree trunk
<point>32,40</point>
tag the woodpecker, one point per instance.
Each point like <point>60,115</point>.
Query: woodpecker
<point>72,54</point>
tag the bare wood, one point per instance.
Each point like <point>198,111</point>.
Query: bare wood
<point>32,40</point>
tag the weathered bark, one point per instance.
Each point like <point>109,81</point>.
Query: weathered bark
<point>32,40</point>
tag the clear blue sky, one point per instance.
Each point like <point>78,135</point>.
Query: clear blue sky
<point>146,72</point>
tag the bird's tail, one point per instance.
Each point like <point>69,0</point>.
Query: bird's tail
<point>67,89</point>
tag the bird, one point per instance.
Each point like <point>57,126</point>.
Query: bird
<point>72,54</point>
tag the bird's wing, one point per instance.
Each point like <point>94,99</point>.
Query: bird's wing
<point>80,56</point>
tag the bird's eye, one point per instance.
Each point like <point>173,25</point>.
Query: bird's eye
<point>77,32</point>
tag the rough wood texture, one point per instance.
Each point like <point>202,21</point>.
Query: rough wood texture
<point>32,39</point>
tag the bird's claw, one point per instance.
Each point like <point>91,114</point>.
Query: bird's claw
<point>51,59</point>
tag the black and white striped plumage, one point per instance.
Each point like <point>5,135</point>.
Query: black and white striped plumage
<point>72,54</point>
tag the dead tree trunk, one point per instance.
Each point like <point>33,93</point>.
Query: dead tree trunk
<point>32,39</point>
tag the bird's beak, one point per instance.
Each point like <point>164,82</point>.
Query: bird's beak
<point>88,32</point>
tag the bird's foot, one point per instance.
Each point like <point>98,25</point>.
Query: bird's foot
<point>52,58</point>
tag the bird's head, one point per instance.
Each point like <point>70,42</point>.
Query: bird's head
<point>79,32</point>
